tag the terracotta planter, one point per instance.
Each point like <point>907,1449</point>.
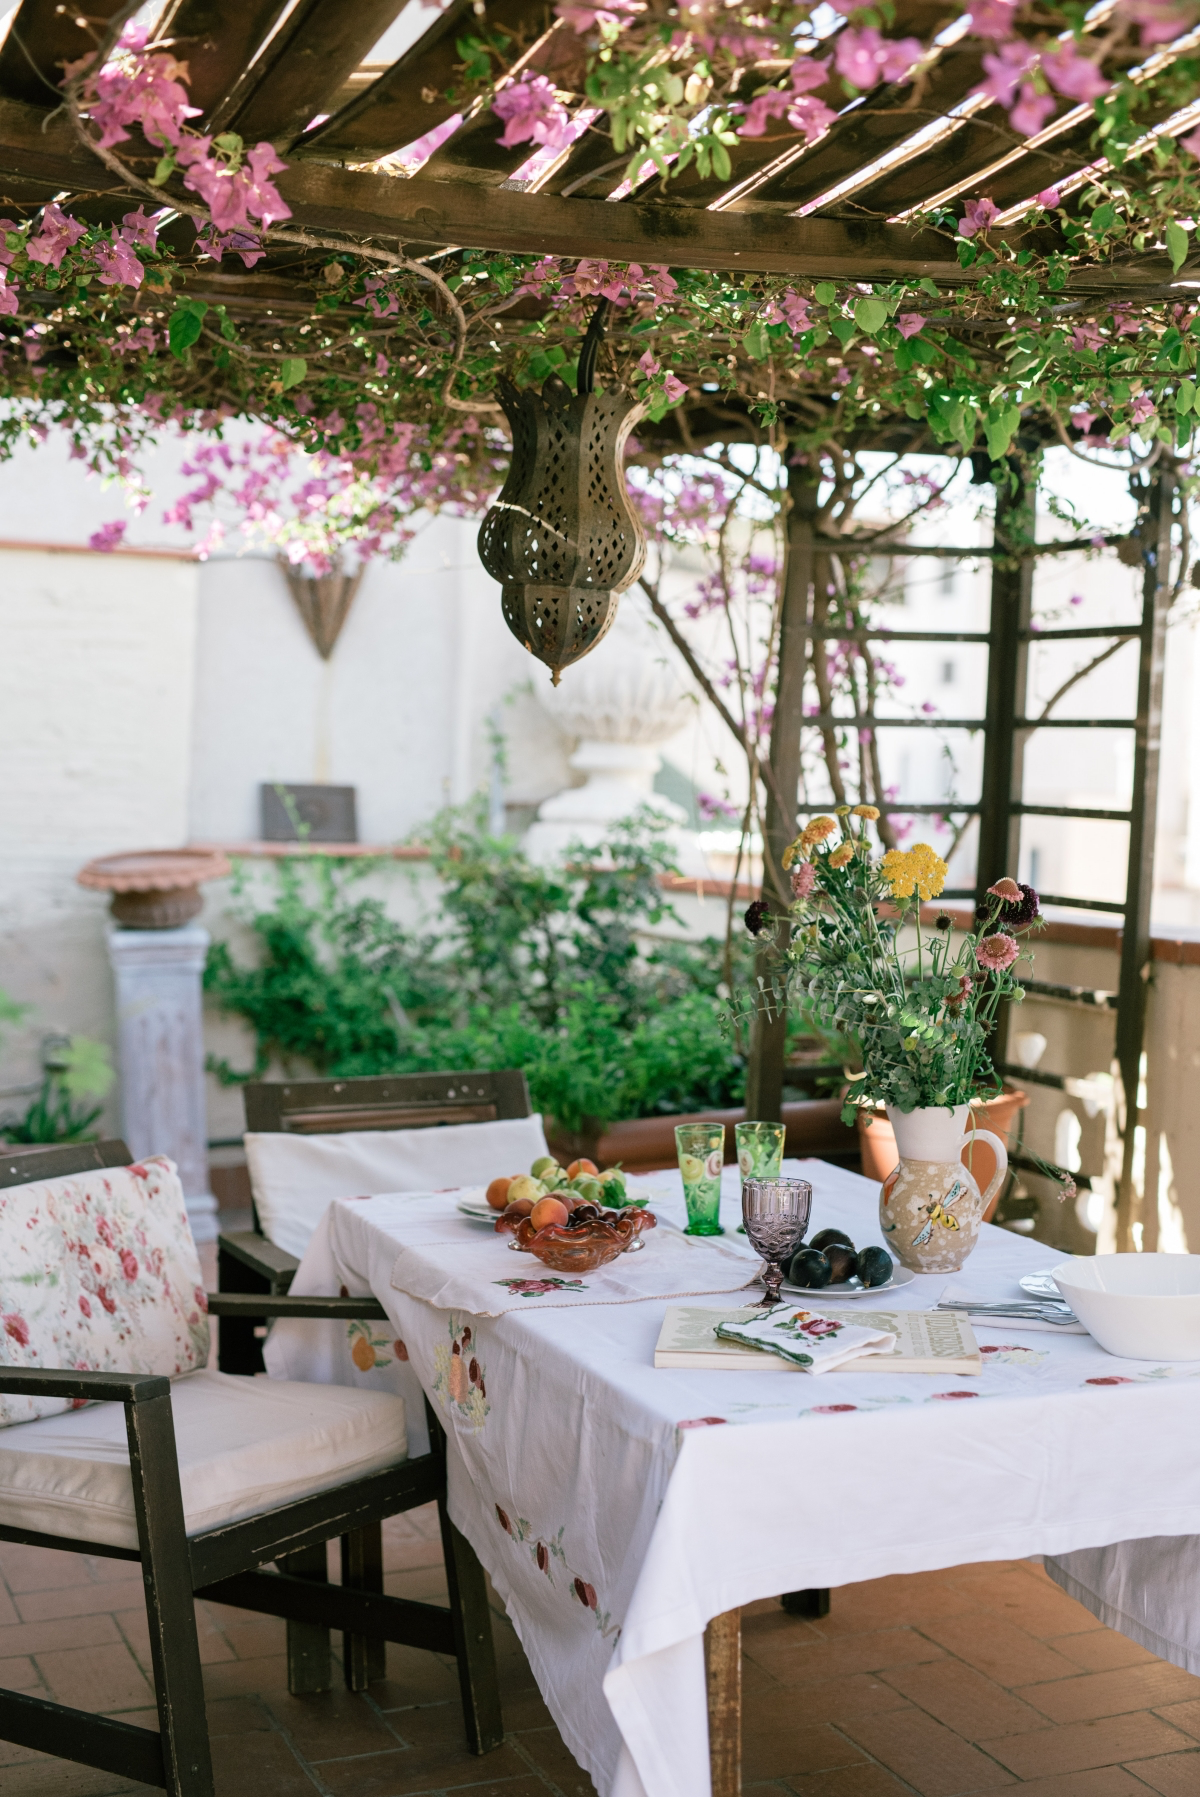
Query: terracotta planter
<point>877,1140</point>
<point>155,889</point>
<point>644,1144</point>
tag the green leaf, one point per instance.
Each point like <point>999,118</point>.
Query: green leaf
<point>184,326</point>
<point>825,293</point>
<point>163,169</point>
<point>999,429</point>
<point>1185,399</point>
<point>756,342</point>
<point>870,315</point>
<point>292,371</point>
<point>85,1068</point>
<point>843,329</point>
<point>1178,242</point>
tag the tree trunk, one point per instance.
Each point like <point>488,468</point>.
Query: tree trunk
<point>764,1074</point>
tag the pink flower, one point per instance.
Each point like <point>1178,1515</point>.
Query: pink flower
<point>865,57</point>
<point>1086,336</point>
<point>1006,889</point>
<point>1191,143</point>
<point>531,108</point>
<point>1142,408</point>
<point>980,215</point>
<point>109,536</point>
<point>804,878</point>
<point>129,1265</point>
<point>16,1328</point>
<point>137,228</point>
<point>995,953</point>
<point>1159,20</point>
<point>701,1422</point>
<point>1004,71</point>
<point>1073,75</point>
<point>57,235</point>
<point>1049,196</point>
<point>1031,111</point>
<point>673,387</point>
<point>581,16</point>
<point>795,310</point>
<point>909,323</point>
<point>84,1306</point>
<point>8,299</point>
<point>993,18</point>
<point>118,265</point>
<point>648,365</point>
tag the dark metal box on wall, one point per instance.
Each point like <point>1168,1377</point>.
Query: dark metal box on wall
<point>292,813</point>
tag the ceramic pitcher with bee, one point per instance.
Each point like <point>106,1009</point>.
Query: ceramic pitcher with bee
<point>930,1207</point>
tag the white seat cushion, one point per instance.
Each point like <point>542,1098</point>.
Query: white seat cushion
<point>296,1178</point>
<point>245,1446</point>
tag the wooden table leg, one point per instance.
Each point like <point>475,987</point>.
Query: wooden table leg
<point>723,1657</point>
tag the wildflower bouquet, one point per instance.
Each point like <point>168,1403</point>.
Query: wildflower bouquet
<point>920,1012</point>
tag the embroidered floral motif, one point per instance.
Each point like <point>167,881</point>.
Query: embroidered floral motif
<point>1009,1355</point>
<point>537,1288</point>
<point>458,1377</point>
<point>804,1323</point>
<point>545,1555</point>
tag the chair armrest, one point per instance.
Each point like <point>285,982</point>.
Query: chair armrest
<point>273,1264</point>
<point>53,1382</point>
<point>258,1305</point>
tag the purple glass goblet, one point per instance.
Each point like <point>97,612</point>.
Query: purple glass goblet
<point>775,1212</point>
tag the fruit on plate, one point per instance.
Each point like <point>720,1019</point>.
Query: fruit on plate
<point>497,1192</point>
<point>547,1211</point>
<point>809,1268</point>
<point>825,1237</point>
<point>874,1266</point>
<point>523,1186</point>
<point>843,1262</point>
<point>545,1164</point>
<point>582,1166</point>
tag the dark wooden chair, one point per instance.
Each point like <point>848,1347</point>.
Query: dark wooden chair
<point>226,1563</point>
<point>249,1264</point>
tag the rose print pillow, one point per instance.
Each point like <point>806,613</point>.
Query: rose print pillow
<point>99,1271</point>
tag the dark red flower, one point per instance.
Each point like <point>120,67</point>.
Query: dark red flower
<point>399,1350</point>
<point>543,1557</point>
<point>756,916</point>
<point>502,1519</point>
<point>129,1264</point>
<point>473,1372</point>
<point>585,1593</point>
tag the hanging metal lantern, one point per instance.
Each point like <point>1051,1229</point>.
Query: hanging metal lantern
<point>563,539</point>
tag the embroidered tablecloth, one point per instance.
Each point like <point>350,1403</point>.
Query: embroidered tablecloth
<point>618,1508</point>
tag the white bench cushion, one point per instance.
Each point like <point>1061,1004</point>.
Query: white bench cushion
<point>296,1178</point>
<point>245,1445</point>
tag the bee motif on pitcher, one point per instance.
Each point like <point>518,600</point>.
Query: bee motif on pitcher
<point>940,1212</point>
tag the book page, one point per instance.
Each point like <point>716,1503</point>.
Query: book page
<point>689,1329</point>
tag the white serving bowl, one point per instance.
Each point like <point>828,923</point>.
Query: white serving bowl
<point>1138,1306</point>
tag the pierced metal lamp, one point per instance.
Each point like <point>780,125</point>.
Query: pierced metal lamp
<point>563,539</point>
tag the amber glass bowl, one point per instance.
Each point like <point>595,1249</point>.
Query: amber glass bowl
<point>588,1246</point>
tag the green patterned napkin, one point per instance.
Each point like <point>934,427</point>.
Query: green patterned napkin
<point>817,1343</point>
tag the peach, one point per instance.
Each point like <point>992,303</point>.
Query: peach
<point>582,1166</point>
<point>497,1192</point>
<point>547,1211</point>
<point>520,1207</point>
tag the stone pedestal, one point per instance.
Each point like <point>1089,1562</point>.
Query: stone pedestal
<point>160,1051</point>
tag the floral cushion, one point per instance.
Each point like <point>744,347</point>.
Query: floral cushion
<point>99,1272</point>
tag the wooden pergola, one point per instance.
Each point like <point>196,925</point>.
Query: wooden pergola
<point>305,79</point>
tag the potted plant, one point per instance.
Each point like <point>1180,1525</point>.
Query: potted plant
<point>919,1005</point>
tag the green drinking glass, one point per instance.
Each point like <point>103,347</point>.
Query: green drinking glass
<point>759,1152</point>
<point>701,1149</point>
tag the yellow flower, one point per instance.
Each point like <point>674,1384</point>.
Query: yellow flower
<point>841,811</point>
<point>794,852</point>
<point>870,812</point>
<point>817,831</point>
<point>843,853</point>
<point>916,871</point>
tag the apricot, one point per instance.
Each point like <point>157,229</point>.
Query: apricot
<point>497,1192</point>
<point>582,1166</point>
<point>547,1211</point>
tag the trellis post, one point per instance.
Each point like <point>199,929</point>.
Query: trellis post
<point>781,777</point>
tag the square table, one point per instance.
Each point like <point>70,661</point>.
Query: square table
<point>619,1509</point>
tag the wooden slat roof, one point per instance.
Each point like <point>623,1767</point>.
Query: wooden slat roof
<point>272,71</point>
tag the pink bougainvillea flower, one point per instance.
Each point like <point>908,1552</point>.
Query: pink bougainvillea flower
<point>673,387</point>
<point>581,16</point>
<point>1004,70</point>
<point>215,244</point>
<point>865,57</point>
<point>1049,196</point>
<point>1190,143</point>
<point>8,299</point>
<point>118,265</point>
<point>1073,75</point>
<point>531,109</point>
<point>56,235</point>
<point>137,228</point>
<point>109,536</point>
<point>1159,21</point>
<point>909,323</point>
<point>980,215</point>
<point>1086,336</point>
<point>1031,111</point>
<point>648,365</point>
<point>993,18</point>
<point>1142,408</point>
<point>995,953</point>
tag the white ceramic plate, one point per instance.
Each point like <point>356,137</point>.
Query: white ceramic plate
<point>852,1288</point>
<point>474,1205</point>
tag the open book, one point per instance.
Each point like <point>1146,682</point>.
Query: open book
<point>927,1341</point>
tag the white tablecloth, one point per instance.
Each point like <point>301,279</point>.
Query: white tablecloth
<point>618,1508</point>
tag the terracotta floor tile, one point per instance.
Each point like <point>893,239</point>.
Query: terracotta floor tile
<point>890,1603</point>
<point>407,1771</point>
<point>836,1700</point>
<point>258,1766</point>
<point>1183,1715</point>
<point>1034,1604</point>
<point>19,1674</point>
<point>38,1568</point>
<point>40,1637</point>
<point>932,1759</point>
<point>964,1700</point>
<point>1104,1781</point>
<point>1001,1650</point>
<point>236,1716</point>
<point>415,1677</point>
<point>546,1754</point>
<point>1101,1650</point>
<point>135,1627</point>
<point>235,1678</point>
<point>58,1778</point>
<point>81,1599</point>
<point>87,1680</point>
<point>786,1749</point>
<point>846,1781</point>
<point>254,1637</point>
<point>1080,1745</point>
<point>335,1724</point>
<point>1174,1775</point>
<point>1096,1694</point>
<point>808,1662</point>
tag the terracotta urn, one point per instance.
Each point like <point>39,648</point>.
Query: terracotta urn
<point>930,1208</point>
<point>154,889</point>
<point>877,1139</point>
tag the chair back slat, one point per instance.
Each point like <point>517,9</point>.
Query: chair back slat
<point>405,1101</point>
<point>21,1166</point>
